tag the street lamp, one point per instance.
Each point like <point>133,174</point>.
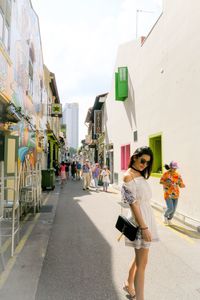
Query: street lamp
<point>137,12</point>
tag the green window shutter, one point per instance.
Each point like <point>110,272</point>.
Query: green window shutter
<point>116,89</point>
<point>121,84</point>
<point>155,143</point>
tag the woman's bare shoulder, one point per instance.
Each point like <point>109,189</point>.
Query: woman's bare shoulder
<point>128,176</point>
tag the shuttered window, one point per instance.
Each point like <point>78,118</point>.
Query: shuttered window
<point>5,19</point>
<point>155,143</point>
<point>121,84</point>
<point>125,156</point>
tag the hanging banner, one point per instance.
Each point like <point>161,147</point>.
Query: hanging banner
<point>97,121</point>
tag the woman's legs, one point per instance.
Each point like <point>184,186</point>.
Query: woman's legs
<point>63,177</point>
<point>141,260</point>
<point>106,186</point>
<point>131,276</point>
<point>96,183</point>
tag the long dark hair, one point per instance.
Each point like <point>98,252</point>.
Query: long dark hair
<point>138,153</point>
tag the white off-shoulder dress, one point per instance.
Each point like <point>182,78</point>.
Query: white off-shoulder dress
<point>139,190</point>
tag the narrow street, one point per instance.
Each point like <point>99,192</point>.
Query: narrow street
<point>71,253</point>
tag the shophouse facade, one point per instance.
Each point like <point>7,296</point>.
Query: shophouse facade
<point>22,77</point>
<point>95,138</point>
<point>30,109</point>
<point>26,98</point>
<point>154,100</point>
<point>54,114</point>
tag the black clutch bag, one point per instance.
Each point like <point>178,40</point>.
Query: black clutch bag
<point>126,228</point>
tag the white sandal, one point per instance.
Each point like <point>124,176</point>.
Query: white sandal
<point>126,289</point>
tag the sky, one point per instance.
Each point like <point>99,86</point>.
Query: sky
<point>80,39</point>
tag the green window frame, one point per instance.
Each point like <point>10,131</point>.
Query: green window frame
<point>121,84</point>
<point>155,143</point>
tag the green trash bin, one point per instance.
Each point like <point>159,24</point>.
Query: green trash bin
<point>48,179</point>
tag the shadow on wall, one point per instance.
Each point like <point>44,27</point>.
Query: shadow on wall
<point>129,104</point>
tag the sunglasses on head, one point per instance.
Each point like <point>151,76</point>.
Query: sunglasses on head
<point>144,161</point>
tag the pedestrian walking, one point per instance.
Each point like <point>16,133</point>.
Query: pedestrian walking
<point>78,170</point>
<point>56,168</point>
<point>73,170</point>
<point>105,178</point>
<point>137,193</point>
<point>86,174</point>
<point>95,176</point>
<point>63,173</point>
<point>171,181</point>
<point>67,169</point>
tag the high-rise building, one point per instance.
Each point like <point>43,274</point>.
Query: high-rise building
<point>71,119</point>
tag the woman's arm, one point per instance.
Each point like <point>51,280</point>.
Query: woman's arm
<point>181,183</point>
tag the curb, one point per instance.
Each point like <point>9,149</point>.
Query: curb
<point>186,220</point>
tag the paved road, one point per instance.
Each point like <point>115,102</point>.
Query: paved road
<point>72,254</point>
<point>78,262</point>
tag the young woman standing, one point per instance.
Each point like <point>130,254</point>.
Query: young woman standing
<point>63,173</point>
<point>137,193</point>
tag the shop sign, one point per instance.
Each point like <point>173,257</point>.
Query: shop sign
<point>97,121</point>
<point>56,110</point>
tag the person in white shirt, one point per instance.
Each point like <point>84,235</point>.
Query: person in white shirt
<point>105,178</point>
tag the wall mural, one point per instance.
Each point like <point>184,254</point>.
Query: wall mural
<point>3,73</point>
<point>26,35</point>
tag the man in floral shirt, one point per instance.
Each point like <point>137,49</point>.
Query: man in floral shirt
<point>171,181</point>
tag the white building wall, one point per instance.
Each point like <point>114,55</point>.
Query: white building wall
<point>164,93</point>
<point>71,119</point>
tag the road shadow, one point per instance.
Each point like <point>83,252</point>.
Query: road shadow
<point>190,233</point>
<point>78,261</point>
